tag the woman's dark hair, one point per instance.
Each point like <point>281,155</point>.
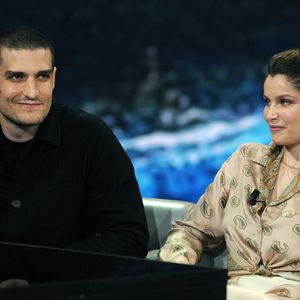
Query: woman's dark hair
<point>24,38</point>
<point>286,63</point>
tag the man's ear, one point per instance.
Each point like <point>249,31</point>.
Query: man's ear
<point>54,77</point>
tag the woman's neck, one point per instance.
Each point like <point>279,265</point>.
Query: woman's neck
<point>291,157</point>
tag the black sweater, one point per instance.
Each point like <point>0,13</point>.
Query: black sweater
<point>74,186</point>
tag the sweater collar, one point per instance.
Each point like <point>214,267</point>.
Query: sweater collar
<point>50,129</point>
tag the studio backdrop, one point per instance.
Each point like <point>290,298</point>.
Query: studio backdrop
<point>179,82</point>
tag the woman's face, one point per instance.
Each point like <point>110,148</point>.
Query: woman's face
<point>282,111</point>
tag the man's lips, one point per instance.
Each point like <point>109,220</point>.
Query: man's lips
<point>28,104</point>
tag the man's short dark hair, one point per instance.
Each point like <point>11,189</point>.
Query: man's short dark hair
<point>286,63</point>
<point>24,38</point>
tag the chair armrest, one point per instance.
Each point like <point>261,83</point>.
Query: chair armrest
<point>159,214</point>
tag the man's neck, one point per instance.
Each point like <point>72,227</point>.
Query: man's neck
<point>17,133</point>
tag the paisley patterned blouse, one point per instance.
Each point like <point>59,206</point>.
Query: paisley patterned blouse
<point>261,239</point>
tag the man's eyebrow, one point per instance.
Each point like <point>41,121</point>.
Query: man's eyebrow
<point>9,73</point>
<point>20,73</point>
<point>43,72</point>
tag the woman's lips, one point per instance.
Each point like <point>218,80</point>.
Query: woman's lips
<point>276,127</point>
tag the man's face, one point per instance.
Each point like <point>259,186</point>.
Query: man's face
<point>26,84</point>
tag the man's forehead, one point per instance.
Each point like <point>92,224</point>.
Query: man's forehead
<point>26,58</point>
<point>15,51</point>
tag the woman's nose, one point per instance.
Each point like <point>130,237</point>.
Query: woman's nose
<point>272,113</point>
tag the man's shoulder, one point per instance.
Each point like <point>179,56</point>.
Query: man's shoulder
<point>78,125</point>
<point>77,118</point>
<point>77,114</point>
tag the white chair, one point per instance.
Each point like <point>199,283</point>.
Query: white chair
<point>160,213</point>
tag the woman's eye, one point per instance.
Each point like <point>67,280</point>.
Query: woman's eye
<point>284,101</point>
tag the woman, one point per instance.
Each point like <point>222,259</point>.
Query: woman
<point>254,200</point>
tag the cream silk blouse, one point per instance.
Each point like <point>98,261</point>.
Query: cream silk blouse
<point>261,239</point>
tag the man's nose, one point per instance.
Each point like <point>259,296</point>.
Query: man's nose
<point>30,90</point>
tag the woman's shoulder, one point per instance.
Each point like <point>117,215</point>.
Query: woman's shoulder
<point>253,150</point>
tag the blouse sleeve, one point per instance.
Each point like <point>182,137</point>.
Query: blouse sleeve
<point>202,230</point>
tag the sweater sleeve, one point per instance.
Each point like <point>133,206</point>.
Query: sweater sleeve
<point>113,208</point>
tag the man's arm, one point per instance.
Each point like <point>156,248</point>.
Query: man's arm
<point>113,208</point>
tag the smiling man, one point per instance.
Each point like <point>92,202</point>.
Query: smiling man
<point>27,81</point>
<point>65,180</point>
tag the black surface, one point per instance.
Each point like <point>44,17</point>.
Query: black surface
<point>65,274</point>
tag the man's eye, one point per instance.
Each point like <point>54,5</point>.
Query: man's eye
<point>43,77</point>
<point>16,77</point>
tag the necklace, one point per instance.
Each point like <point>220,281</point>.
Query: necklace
<point>285,177</point>
<point>292,167</point>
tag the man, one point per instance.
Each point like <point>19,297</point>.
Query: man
<point>65,180</point>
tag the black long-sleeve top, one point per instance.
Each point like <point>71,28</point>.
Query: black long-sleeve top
<point>73,186</point>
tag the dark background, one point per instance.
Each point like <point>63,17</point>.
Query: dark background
<point>179,82</point>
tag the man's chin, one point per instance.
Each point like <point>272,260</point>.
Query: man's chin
<point>31,123</point>
<point>28,122</point>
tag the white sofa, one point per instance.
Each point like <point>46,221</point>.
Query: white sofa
<point>160,213</point>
